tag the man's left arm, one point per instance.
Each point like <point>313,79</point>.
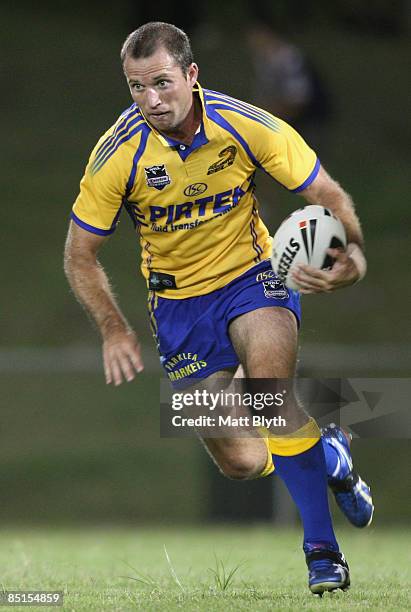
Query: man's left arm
<point>350,265</point>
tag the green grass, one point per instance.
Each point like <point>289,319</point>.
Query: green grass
<point>189,569</point>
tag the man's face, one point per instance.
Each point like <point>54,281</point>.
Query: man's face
<point>160,88</point>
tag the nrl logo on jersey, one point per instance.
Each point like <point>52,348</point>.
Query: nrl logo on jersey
<point>274,288</point>
<point>156,176</point>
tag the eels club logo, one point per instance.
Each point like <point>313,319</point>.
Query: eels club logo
<point>227,157</point>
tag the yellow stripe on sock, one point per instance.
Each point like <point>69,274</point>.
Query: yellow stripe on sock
<point>269,466</point>
<point>295,443</point>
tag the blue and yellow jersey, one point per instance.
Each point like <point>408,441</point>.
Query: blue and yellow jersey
<point>193,206</point>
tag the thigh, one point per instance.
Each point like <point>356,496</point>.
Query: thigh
<point>265,341</point>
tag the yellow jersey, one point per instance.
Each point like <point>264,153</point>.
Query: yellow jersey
<point>193,207</point>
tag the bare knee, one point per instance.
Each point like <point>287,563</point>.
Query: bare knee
<point>240,467</point>
<point>238,458</point>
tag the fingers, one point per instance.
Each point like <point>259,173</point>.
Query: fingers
<point>136,360</point>
<point>311,280</point>
<point>119,366</point>
<point>122,359</point>
<point>116,375</point>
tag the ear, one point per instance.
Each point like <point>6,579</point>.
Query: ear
<point>192,74</point>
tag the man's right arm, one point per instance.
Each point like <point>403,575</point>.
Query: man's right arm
<point>87,278</point>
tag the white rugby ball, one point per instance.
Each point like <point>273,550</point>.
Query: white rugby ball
<point>303,238</point>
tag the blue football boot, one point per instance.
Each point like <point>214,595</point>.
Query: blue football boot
<point>327,570</point>
<point>352,494</point>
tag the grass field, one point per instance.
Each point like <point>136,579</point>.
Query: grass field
<point>120,569</point>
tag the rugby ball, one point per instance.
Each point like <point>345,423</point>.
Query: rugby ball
<point>303,238</point>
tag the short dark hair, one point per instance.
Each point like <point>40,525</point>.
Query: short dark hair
<point>144,41</point>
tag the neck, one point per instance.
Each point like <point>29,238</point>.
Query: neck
<point>186,131</point>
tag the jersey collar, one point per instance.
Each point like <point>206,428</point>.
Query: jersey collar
<point>202,137</point>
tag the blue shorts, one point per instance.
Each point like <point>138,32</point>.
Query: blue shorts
<point>192,333</point>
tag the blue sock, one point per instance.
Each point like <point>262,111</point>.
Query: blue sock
<point>332,460</point>
<point>306,479</point>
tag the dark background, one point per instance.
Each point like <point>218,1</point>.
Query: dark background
<point>72,449</point>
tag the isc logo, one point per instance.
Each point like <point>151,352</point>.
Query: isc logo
<point>195,189</point>
<point>264,275</point>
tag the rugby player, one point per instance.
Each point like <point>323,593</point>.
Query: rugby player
<point>182,160</point>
